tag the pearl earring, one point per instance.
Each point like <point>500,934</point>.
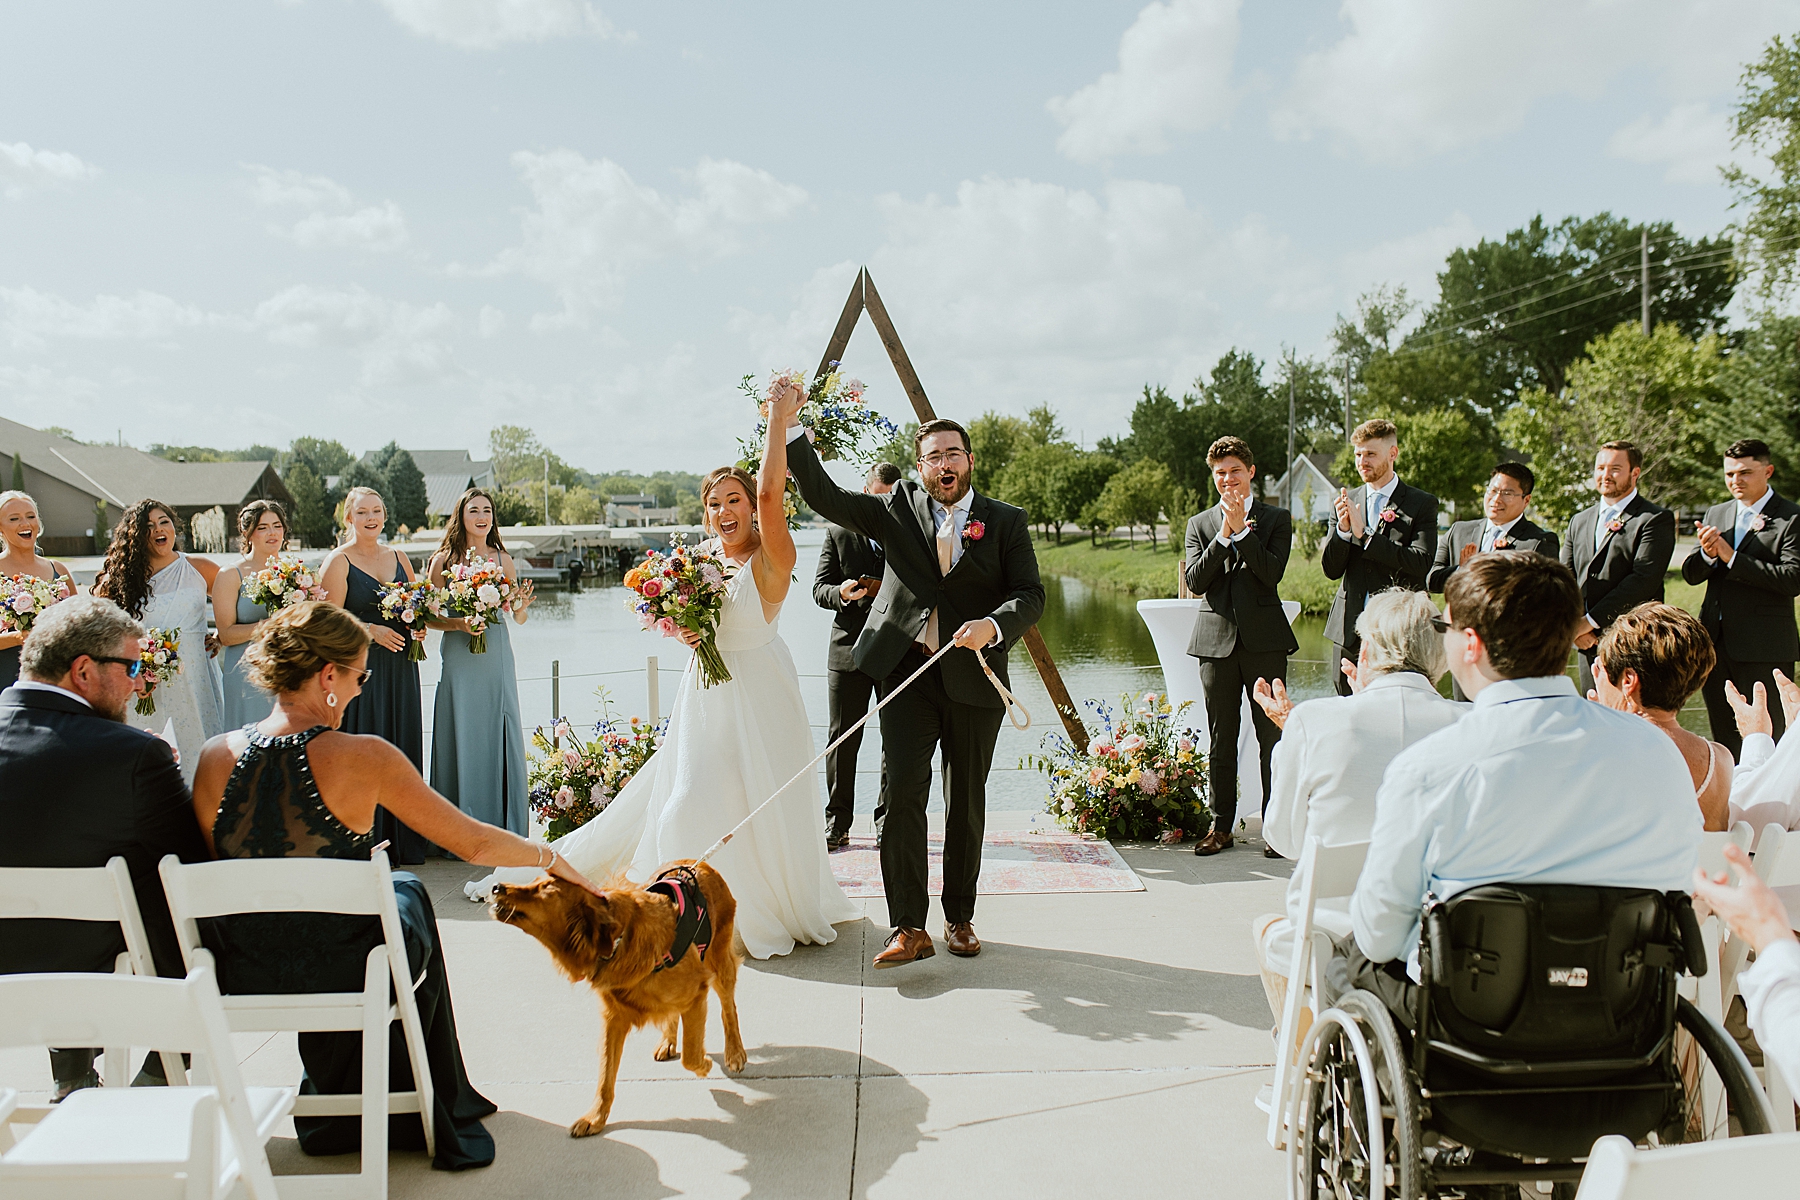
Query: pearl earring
<point>330,699</point>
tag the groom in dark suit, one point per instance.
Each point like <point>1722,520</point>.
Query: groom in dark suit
<point>1237,553</point>
<point>845,584</point>
<point>78,786</point>
<point>1618,548</point>
<point>959,567</point>
<point>1749,558</point>
<point>1385,537</point>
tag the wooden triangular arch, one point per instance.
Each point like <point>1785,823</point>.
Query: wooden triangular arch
<point>864,298</point>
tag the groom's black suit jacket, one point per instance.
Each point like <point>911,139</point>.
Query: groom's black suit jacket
<point>996,576</point>
<point>76,789</point>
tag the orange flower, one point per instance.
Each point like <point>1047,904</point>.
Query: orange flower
<point>633,577</point>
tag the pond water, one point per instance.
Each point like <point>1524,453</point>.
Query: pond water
<point>1099,643</point>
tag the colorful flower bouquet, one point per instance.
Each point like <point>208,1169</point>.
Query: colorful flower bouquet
<point>837,421</point>
<point>479,591</point>
<point>684,589</point>
<point>409,604</point>
<point>573,781</point>
<point>1142,778</point>
<point>160,651</point>
<point>284,581</point>
<point>23,598</point>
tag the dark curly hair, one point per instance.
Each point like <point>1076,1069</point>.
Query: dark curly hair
<point>125,575</point>
<point>251,514</point>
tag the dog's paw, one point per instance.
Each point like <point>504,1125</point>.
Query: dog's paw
<point>667,1052</point>
<point>701,1069</point>
<point>588,1126</point>
<point>736,1060</point>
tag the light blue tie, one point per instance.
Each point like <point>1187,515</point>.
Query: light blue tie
<point>1745,519</point>
<point>1606,516</point>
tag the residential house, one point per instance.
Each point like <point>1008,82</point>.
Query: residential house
<point>448,474</point>
<point>638,510</point>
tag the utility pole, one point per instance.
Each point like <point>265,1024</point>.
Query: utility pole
<point>1287,492</point>
<point>546,489</point>
<point>1644,286</point>
<point>1346,397</point>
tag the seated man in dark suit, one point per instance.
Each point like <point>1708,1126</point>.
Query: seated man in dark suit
<point>1237,553</point>
<point>1749,557</point>
<point>1618,549</point>
<point>78,786</point>
<point>1503,527</point>
<point>849,575</point>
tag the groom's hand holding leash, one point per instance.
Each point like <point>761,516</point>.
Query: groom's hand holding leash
<point>976,634</point>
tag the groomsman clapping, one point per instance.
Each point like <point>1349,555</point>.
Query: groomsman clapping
<point>1618,549</point>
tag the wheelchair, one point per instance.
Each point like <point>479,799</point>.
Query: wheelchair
<point>1546,1017</point>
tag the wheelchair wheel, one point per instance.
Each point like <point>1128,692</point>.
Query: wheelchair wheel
<point>1356,1125</point>
<point>1742,1091</point>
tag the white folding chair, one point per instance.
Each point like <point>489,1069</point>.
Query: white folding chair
<point>1708,993</point>
<point>320,885</point>
<point>1743,1166</point>
<point>1324,873</point>
<point>186,1142</point>
<point>89,894</point>
<point>1777,864</point>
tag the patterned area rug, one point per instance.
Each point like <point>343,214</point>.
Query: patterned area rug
<point>1017,862</point>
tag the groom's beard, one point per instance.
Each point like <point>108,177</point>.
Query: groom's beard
<point>947,487</point>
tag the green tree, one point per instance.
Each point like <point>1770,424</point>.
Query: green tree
<point>1767,126</point>
<point>1029,481</point>
<point>1078,483</point>
<point>512,508</point>
<point>516,454</point>
<point>18,474</point>
<point>1137,495</point>
<point>1760,383</point>
<point>900,450</point>
<point>1656,391</point>
<point>312,507</point>
<point>994,438</point>
<point>1441,451</point>
<point>406,485</point>
<point>324,456</point>
<point>581,506</point>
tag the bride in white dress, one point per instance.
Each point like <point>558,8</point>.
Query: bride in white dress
<point>728,747</point>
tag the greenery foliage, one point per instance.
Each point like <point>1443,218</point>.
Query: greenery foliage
<point>1767,126</point>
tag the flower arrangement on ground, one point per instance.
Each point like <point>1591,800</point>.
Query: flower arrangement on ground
<point>837,421</point>
<point>479,591</point>
<point>160,652</point>
<point>23,599</point>
<point>284,581</point>
<point>573,781</point>
<point>409,604</point>
<point>684,589</point>
<point>1141,779</point>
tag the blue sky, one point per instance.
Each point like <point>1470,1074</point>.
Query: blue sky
<point>414,219</point>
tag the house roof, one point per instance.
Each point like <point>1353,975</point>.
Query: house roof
<point>448,474</point>
<point>636,500</point>
<point>122,475</point>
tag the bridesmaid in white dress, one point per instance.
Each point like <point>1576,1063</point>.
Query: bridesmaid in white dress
<point>146,574</point>
<point>728,747</point>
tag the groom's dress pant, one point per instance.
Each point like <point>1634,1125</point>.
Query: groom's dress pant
<point>847,699</point>
<point>1225,682</point>
<point>919,720</point>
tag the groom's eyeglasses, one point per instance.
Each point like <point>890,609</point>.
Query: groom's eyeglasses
<point>934,461</point>
<point>133,666</point>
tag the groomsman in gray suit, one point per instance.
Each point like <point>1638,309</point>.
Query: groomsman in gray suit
<point>1237,553</point>
<point>1618,548</point>
<point>1504,527</point>
<point>1749,558</point>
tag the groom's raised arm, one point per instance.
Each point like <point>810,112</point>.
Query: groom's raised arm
<point>840,506</point>
<point>1024,602</point>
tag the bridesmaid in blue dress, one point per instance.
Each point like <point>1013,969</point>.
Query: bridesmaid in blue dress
<point>19,532</point>
<point>477,737</point>
<point>262,532</point>
<point>389,706</point>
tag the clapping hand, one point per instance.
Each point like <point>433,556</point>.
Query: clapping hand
<point>1272,698</point>
<point>1753,911</point>
<point>1349,670</point>
<point>1342,507</point>
<point>1712,543</point>
<point>1790,698</point>
<point>1752,715</point>
<point>1236,510</point>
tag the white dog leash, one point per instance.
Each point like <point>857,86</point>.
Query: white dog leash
<point>1007,699</point>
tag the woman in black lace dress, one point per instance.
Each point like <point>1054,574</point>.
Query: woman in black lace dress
<point>293,786</point>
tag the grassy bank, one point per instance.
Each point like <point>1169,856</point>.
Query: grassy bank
<point>1133,568</point>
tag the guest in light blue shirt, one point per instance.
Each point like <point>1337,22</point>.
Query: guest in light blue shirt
<point>1535,784</point>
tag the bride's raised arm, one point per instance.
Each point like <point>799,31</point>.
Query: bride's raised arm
<point>774,563</point>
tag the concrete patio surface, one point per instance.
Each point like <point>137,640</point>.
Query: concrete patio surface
<point>1103,1043</point>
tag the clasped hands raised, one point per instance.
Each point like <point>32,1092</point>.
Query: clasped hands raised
<point>1349,516</point>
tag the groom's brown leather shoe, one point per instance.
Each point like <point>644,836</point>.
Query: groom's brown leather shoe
<point>904,946</point>
<point>960,939</point>
<point>1212,843</point>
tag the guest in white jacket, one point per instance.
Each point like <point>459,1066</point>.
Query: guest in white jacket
<point>1771,987</point>
<point>1333,751</point>
<point>1765,787</point>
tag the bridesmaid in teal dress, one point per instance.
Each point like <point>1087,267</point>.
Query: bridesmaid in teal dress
<point>262,532</point>
<point>477,737</point>
<point>389,706</point>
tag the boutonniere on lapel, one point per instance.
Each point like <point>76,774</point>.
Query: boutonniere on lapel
<point>1616,524</point>
<point>1502,542</point>
<point>1758,523</point>
<point>1250,523</point>
<point>973,532</point>
<point>1389,515</point>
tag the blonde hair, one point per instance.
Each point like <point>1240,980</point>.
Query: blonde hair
<point>350,506</point>
<point>717,476</point>
<point>8,497</point>
<point>1396,632</point>
<point>295,644</point>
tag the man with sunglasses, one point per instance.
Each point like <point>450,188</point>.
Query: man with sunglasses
<point>79,786</point>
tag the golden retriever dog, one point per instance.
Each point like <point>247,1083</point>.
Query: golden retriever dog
<point>620,944</point>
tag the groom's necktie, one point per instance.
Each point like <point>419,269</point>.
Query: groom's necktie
<point>946,549</point>
<point>1745,519</point>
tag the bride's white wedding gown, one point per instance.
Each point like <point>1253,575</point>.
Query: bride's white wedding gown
<point>727,748</point>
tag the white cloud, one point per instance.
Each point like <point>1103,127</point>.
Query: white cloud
<point>593,224</point>
<point>1413,78</point>
<point>333,221</point>
<point>1692,140</point>
<point>488,24</point>
<point>1174,76</point>
<point>1412,260</point>
<point>23,169</point>
<point>28,317</point>
<point>396,342</point>
<point>492,321</point>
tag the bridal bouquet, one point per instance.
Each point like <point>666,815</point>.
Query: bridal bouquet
<point>573,781</point>
<point>409,604</point>
<point>160,652</point>
<point>23,598</point>
<point>1141,779</point>
<point>479,591</point>
<point>837,421</point>
<point>684,589</point>
<point>283,582</point>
